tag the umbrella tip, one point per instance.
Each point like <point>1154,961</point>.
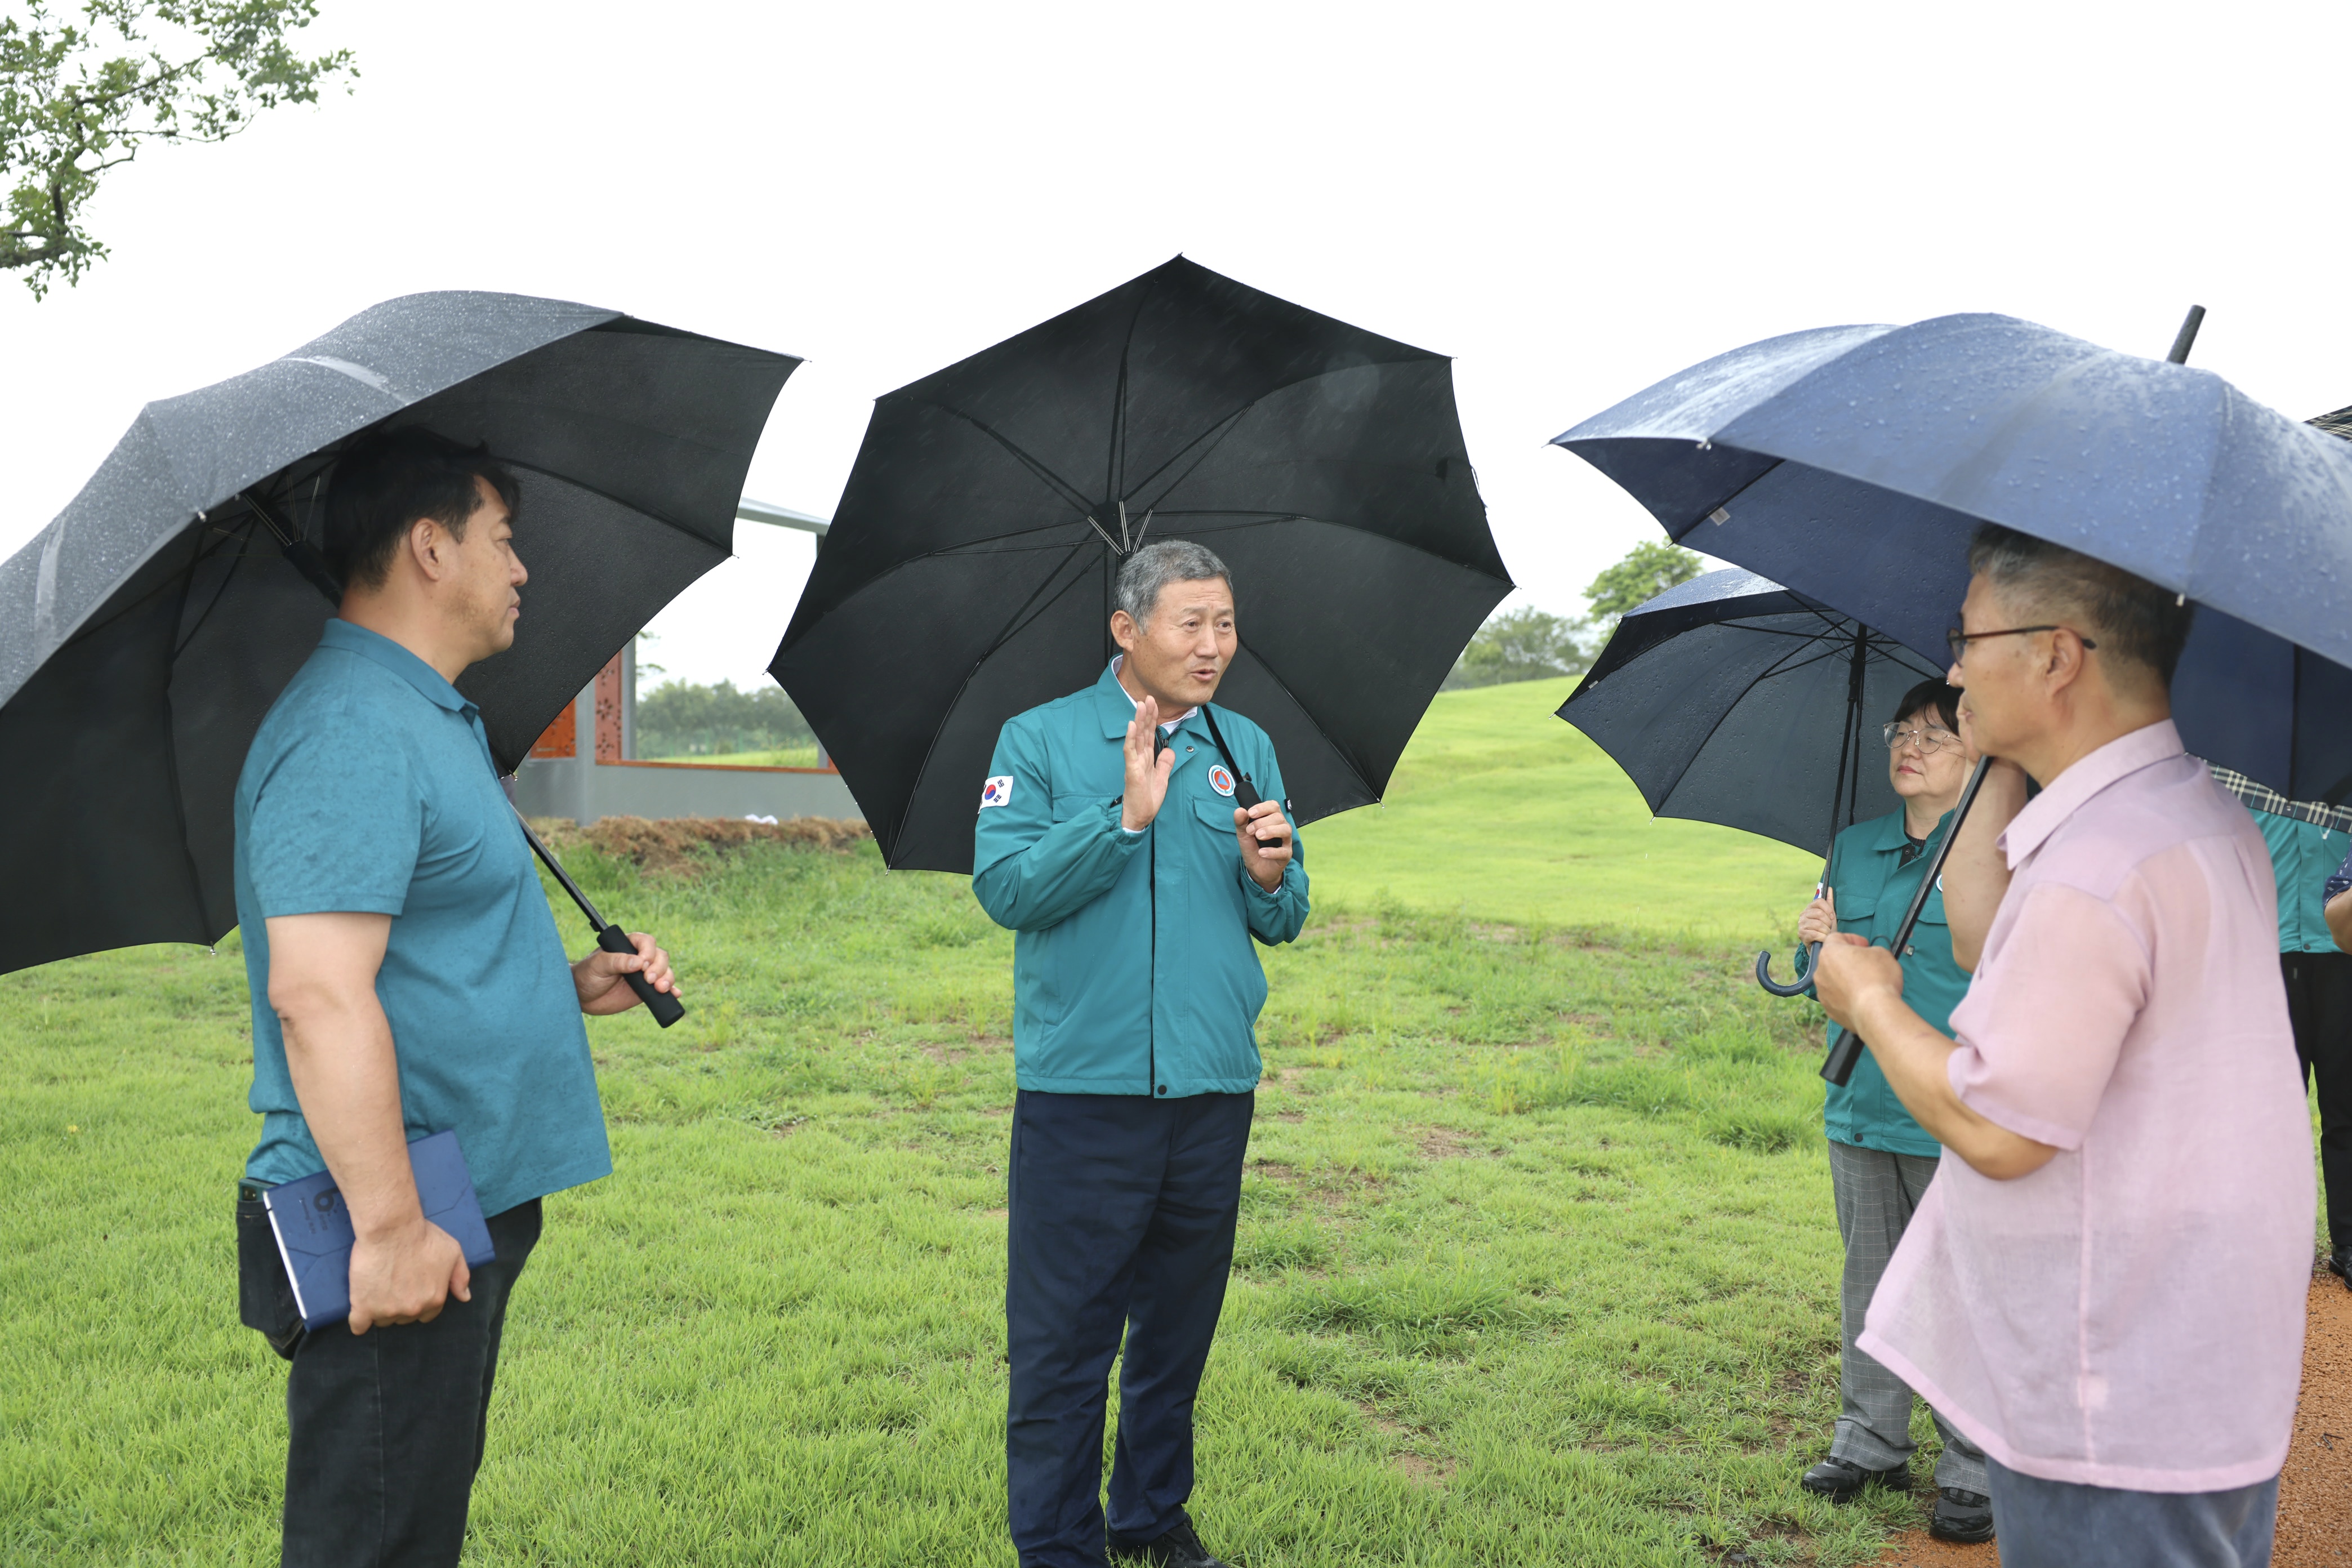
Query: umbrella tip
<point>2187,336</point>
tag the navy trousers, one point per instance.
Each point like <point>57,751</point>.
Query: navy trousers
<point>1122,1212</point>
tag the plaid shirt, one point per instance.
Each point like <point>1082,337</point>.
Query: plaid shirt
<point>2262,798</point>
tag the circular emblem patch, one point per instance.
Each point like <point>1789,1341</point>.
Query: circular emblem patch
<point>1221,780</point>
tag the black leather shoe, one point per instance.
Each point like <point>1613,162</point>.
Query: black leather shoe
<point>1180,1548</point>
<point>2339,1263</point>
<point>1961,1515</point>
<point>1841,1480</point>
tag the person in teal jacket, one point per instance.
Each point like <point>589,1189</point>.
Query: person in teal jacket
<point>1110,839</point>
<point>1880,1160</point>
<point>2307,842</point>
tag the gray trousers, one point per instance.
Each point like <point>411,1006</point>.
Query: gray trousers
<point>1876,1193</point>
<point>2059,1524</point>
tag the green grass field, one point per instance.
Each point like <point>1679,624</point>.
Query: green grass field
<point>781,757</point>
<point>1536,1266</point>
<point>1499,809</point>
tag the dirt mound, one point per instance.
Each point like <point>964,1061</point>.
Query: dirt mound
<point>683,844</point>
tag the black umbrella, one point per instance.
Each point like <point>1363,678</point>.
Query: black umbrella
<point>969,571</point>
<point>145,631</point>
<point>1729,699</point>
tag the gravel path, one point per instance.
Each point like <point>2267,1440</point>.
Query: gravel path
<point>2314,1526</point>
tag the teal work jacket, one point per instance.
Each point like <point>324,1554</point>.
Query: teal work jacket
<point>1133,971</point>
<point>2302,856</point>
<point>1874,890</point>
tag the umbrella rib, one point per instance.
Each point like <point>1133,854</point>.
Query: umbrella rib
<point>1355,763</point>
<point>1020,619</point>
<point>1778,668</point>
<point>218,594</point>
<point>1053,480</point>
<point>1207,441</point>
<point>1725,504</point>
<point>629,506</point>
<point>1223,427</point>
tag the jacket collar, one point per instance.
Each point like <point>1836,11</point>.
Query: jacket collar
<point>2071,790</point>
<point>380,649</point>
<point>1116,709</point>
<point>1886,833</point>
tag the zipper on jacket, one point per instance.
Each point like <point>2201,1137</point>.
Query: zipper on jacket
<point>1151,1088</point>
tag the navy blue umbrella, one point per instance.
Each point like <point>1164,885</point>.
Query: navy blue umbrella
<point>1853,463</point>
<point>1731,700</point>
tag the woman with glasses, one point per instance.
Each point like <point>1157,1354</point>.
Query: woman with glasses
<point>1880,1160</point>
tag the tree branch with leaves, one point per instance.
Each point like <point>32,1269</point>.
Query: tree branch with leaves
<point>78,98</point>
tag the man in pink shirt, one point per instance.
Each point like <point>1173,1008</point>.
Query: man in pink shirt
<point>2103,1287</point>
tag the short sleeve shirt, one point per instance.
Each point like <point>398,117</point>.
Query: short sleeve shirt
<point>369,789</point>
<point>2130,1314</point>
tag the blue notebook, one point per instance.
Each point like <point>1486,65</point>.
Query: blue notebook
<point>314,1230</point>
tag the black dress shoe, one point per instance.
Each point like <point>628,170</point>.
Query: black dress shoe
<point>1180,1548</point>
<point>1842,1481</point>
<point>1961,1515</point>
<point>2339,1263</point>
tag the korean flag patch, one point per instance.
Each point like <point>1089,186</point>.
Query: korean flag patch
<point>1221,780</point>
<point>996,792</point>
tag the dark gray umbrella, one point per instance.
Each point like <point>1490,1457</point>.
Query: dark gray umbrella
<point>145,631</point>
<point>1731,700</point>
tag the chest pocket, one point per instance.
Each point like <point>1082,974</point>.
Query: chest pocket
<point>1854,914</point>
<point>1216,813</point>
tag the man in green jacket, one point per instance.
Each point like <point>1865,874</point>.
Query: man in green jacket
<point>1111,840</point>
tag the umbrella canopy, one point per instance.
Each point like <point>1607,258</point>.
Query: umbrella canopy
<point>1730,699</point>
<point>968,574</point>
<point>146,631</point>
<point>1852,464</point>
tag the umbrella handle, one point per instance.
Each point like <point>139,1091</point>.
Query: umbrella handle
<point>666,1008</point>
<point>1803,960</point>
<point>1838,1066</point>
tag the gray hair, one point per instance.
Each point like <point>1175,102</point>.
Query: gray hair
<point>1154,566</point>
<point>2127,616</point>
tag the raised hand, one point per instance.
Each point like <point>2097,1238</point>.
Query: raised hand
<point>1147,776</point>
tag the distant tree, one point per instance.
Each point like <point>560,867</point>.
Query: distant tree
<point>1523,644</point>
<point>681,719</point>
<point>79,99</point>
<point>1526,644</point>
<point>1651,568</point>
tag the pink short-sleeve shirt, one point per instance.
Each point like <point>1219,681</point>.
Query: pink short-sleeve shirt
<point>2130,1314</point>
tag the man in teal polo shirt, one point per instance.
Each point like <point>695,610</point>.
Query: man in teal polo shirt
<point>1881,1162</point>
<point>407,980</point>
<point>1111,840</point>
<point>2307,841</point>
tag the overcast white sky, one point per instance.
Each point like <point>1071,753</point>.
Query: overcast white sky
<point>1573,200</point>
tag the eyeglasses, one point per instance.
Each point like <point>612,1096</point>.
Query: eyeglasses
<point>1930,740</point>
<point>1958,640</point>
